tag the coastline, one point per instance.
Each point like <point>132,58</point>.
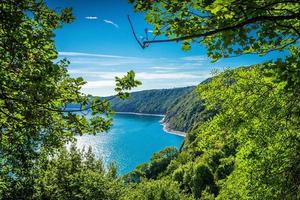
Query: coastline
<point>170,131</point>
<point>164,124</point>
<point>134,113</point>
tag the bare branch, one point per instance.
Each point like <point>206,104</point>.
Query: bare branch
<point>133,32</point>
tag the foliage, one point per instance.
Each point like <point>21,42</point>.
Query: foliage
<point>158,164</point>
<point>262,116</point>
<point>251,145</point>
<point>187,112</point>
<point>149,101</point>
<point>34,93</point>
<point>182,107</point>
<point>123,85</point>
<point>225,27</point>
<point>248,150</point>
<point>155,190</point>
<point>74,174</point>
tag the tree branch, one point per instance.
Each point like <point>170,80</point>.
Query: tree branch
<point>226,28</point>
<point>133,32</point>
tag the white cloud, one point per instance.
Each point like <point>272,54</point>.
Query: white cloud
<point>164,68</point>
<point>152,76</point>
<point>150,31</point>
<point>101,59</point>
<point>111,22</point>
<point>195,58</point>
<point>76,54</point>
<point>100,70</point>
<point>140,75</point>
<point>99,84</point>
<point>91,17</point>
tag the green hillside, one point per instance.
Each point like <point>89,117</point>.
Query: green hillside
<point>155,101</point>
<point>248,150</point>
<point>182,107</point>
<point>187,112</point>
<point>252,144</point>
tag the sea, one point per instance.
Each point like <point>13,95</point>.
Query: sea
<point>131,141</point>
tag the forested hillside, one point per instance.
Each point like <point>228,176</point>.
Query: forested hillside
<point>187,112</point>
<point>149,101</point>
<point>182,107</point>
<point>248,150</point>
<point>236,147</point>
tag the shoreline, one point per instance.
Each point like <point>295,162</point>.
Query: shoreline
<point>164,124</point>
<point>170,131</point>
<point>144,114</point>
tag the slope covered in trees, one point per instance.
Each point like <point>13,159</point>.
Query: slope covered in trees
<point>182,107</point>
<point>149,101</point>
<point>187,112</point>
<point>249,150</point>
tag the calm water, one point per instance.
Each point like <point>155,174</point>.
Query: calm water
<point>131,141</point>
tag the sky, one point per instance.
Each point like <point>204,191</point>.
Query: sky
<point>99,45</point>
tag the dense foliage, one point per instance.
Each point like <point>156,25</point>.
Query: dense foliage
<point>249,150</point>
<point>74,174</point>
<point>149,101</point>
<point>158,164</point>
<point>187,112</point>
<point>34,92</point>
<point>225,27</point>
<point>182,107</point>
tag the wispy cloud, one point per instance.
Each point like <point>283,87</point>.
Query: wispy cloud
<point>99,60</point>
<point>91,17</point>
<point>100,70</point>
<point>111,22</point>
<point>195,58</point>
<point>99,84</point>
<point>165,68</point>
<point>76,54</point>
<point>141,75</point>
<point>153,76</point>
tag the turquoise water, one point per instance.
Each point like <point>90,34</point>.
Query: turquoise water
<point>131,141</point>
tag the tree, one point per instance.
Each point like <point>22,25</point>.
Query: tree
<point>262,118</point>
<point>155,190</point>
<point>152,170</point>
<point>35,92</point>
<point>74,174</point>
<point>225,27</point>
<point>251,145</point>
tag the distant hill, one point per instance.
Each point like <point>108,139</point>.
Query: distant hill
<point>156,101</point>
<point>182,107</point>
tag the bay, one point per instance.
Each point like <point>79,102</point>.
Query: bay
<point>131,141</point>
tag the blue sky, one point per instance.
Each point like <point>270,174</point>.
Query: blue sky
<point>100,46</point>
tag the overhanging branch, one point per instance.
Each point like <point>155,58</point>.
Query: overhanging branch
<point>253,20</point>
<point>134,34</point>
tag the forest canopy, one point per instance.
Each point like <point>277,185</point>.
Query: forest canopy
<point>248,150</point>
